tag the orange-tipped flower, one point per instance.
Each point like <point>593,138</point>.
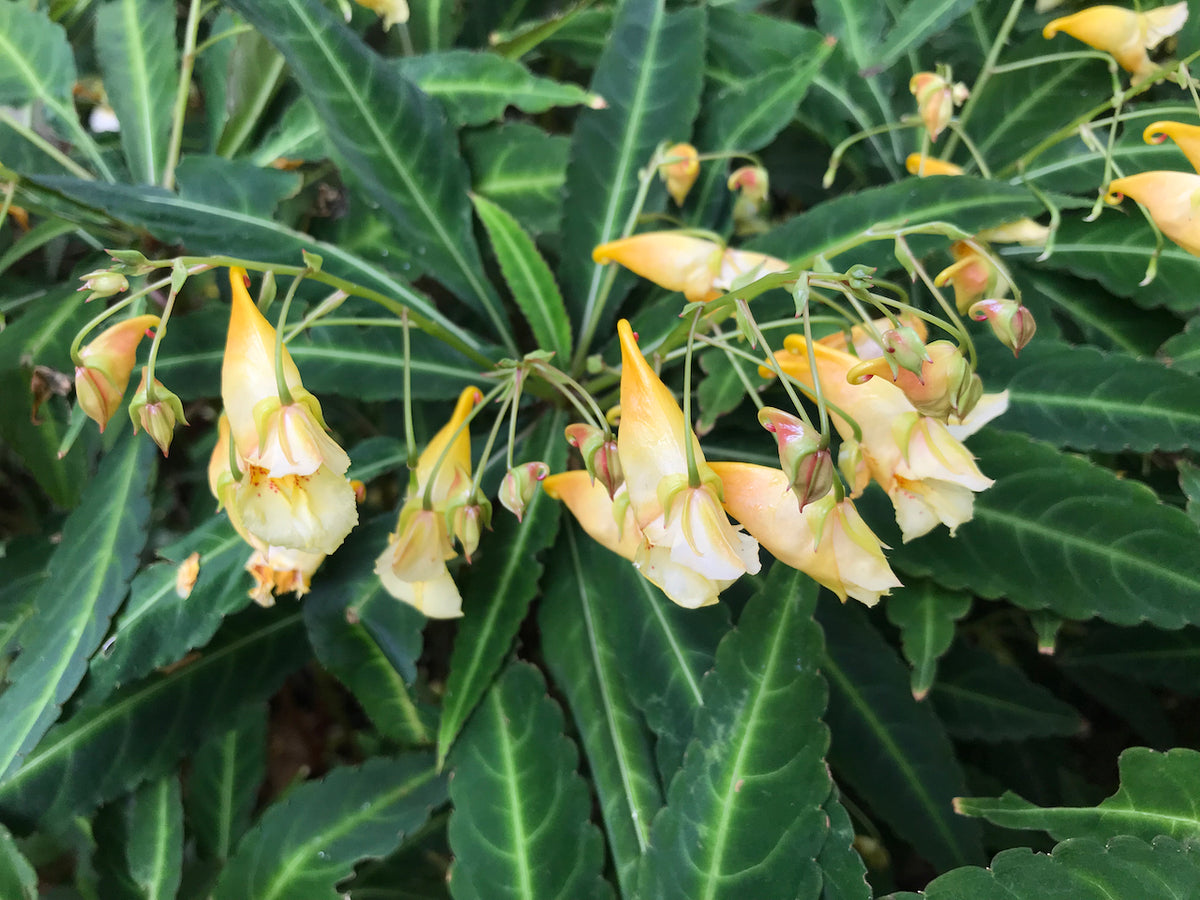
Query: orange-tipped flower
<point>1186,138</point>
<point>689,549</point>
<point>293,493</point>
<point>920,164</point>
<point>701,269</point>
<point>681,173</point>
<point>827,540</point>
<point>1126,34</point>
<point>1171,198</point>
<point>412,567</point>
<point>609,524</point>
<point>107,362</point>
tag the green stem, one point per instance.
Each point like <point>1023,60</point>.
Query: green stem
<point>751,391</point>
<point>187,64</point>
<point>427,497</point>
<point>501,416</point>
<point>985,75</point>
<point>285,393</point>
<point>151,394</point>
<point>518,383</point>
<point>689,436</point>
<point>410,441</point>
<point>956,129</point>
<point>1052,57</point>
<point>835,158</point>
<point>224,35</point>
<point>761,341</point>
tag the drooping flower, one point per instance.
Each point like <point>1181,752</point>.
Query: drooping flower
<point>158,417</point>
<point>596,512</point>
<point>275,570</point>
<point>1011,322</point>
<point>752,184</point>
<point>701,269</point>
<point>936,98</point>
<point>681,173</point>
<point>827,540</point>
<point>973,275</point>
<point>1186,138</point>
<point>518,485</point>
<point>928,474</point>
<point>1171,198</point>
<point>107,362</point>
<point>944,385</point>
<point>293,492</point>
<point>412,567</point>
<point>1126,34</point>
<point>689,548</point>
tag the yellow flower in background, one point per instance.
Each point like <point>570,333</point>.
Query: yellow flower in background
<point>293,492</point>
<point>393,12</point>
<point>1171,198</point>
<point>681,174</point>
<point>689,549</point>
<point>1126,34</point>
<point>412,567</point>
<point>700,269</point>
<point>920,164</point>
<point>827,540</point>
<point>927,473</point>
<point>276,570</point>
<point>107,362</point>
<point>1186,138</point>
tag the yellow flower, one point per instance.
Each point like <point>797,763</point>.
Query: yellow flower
<point>689,548</point>
<point>108,361</point>
<point>827,540</point>
<point>293,492</point>
<point>1186,138</point>
<point>701,269</point>
<point>936,98</point>
<point>945,386</point>
<point>681,174</point>
<point>920,164</point>
<point>973,275</point>
<point>928,474</point>
<point>1171,198</point>
<point>393,12</point>
<point>596,512</point>
<point>412,567</point>
<point>276,570</point>
<point>1126,34</point>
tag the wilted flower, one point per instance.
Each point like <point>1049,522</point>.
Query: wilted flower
<point>413,565</point>
<point>827,540</point>
<point>701,269</point>
<point>936,98</point>
<point>681,173</point>
<point>1126,34</point>
<point>752,185</point>
<point>599,452</point>
<point>293,492</point>
<point>106,364</point>
<point>689,548</point>
<point>1171,198</point>
<point>1186,138</point>
<point>158,417</point>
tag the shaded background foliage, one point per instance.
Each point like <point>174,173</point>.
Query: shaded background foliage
<point>576,735</point>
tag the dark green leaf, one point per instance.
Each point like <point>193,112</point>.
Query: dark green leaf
<point>308,842</point>
<point>521,168</point>
<point>925,613</point>
<point>1129,700</point>
<point>37,445</point>
<point>1182,351</point>
<point>581,653</point>
<point>650,75</point>
<point>858,24</point>
<point>369,639</point>
<point>979,698</point>
<point>1189,483</point>
<point>250,79</point>
<point>103,751</point>
<point>1077,870</point>
<point>1092,400</point>
<point>1115,251</point>
<point>223,783</point>
<point>434,24</point>
<point>391,137</point>
<point>1150,655</point>
<point>521,826</point>
<point>157,626</point>
<point>529,279</point>
<point>1159,795</point>
<point>887,746</point>
<point>140,842</point>
<point>135,45</point>
<point>477,87</point>
<point>755,765</point>
<point>914,25</point>
<point>1079,556</point>
<point>18,880</point>
<point>498,589</point>
<point>90,572</point>
<point>297,136</point>
<point>842,869</point>
<point>723,388</point>
<point>834,228</point>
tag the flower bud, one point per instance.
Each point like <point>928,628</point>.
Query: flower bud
<point>936,99</point>
<point>904,346</point>
<point>103,283</point>
<point>751,203</point>
<point>106,364</point>
<point>680,174</point>
<point>804,455</point>
<point>467,522</point>
<point>1011,322</point>
<point>752,181</point>
<point>157,416</point>
<point>935,390</point>
<point>519,484</point>
<point>599,452</point>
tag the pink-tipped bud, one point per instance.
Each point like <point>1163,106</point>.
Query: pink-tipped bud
<point>599,452</point>
<point>103,283</point>
<point>681,173</point>
<point>906,348</point>
<point>158,415</point>
<point>749,209</point>
<point>107,362</point>
<point>519,484</point>
<point>936,99</point>
<point>1011,322</point>
<point>804,455</point>
<point>752,181</point>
